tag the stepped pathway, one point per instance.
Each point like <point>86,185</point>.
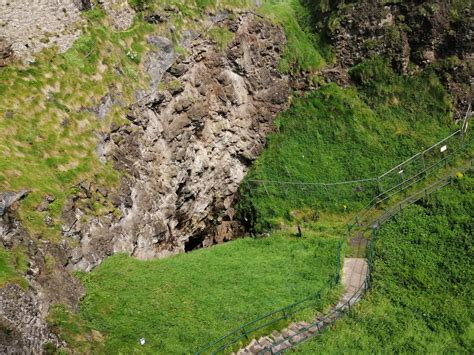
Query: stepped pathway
<point>353,278</point>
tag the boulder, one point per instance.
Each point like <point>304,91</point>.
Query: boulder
<point>9,198</point>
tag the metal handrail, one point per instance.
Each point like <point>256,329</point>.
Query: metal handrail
<point>439,184</point>
<point>398,166</point>
<point>411,181</point>
<point>420,153</point>
<point>243,331</point>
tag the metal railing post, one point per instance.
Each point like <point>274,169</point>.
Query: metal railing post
<point>423,161</point>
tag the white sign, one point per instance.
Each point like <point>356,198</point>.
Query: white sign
<point>443,148</point>
<point>142,341</point>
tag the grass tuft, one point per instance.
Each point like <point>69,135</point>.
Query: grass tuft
<point>13,264</point>
<point>304,50</point>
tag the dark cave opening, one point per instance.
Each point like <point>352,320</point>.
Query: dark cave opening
<point>194,242</point>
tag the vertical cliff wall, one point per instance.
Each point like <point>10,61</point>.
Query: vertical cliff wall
<point>189,144</point>
<point>188,141</point>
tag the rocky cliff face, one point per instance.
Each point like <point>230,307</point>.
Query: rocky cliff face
<point>23,328</point>
<point>188,145</point>
<point>411,34</point>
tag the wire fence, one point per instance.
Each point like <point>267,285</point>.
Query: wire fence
<point>433,168</point>
<point>424,163</point>
<point>282,315</point>
<point>391,183</point>
<point>340,310</point>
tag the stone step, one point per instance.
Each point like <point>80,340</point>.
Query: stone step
<point>313,329</point>
<point>283,346</point>
<point>254,347</point>
<point>300,331</point>
<point>294,327</point>
<point>297,338</point>
<point>302,325</point>
<point>277,337</point>
<point>287,333</point>
<point>266,342</point>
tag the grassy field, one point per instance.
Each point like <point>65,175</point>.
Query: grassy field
<point>421,299</point>
<point>181,303</point>
<point>336,134</point>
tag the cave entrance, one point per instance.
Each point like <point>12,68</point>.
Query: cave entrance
<point>194,242</point>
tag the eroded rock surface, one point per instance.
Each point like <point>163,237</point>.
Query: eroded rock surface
<point>187,147</point>
<point>29,26</point>
<point>120,13</point>
<point>23,328</point>
<point>410,34</point>
<point>6,52</point>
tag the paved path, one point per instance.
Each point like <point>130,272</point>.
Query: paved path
<point>354,275</point>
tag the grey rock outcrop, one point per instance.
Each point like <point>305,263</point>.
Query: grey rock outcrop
<point>120,13</point>
<point>187,147</point>
<point>9,198</point>
<point>30,26</point>
<point>22,329</point>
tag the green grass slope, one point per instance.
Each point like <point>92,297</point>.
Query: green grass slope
<point>336,134</point>
<point>305,51</point>
<point>47,136</point>
<point>421,299</point>
<point>181,303</point>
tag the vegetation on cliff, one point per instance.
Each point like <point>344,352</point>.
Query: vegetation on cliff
<point>49,129</point>
<point>305,50</point>
<point>339,134</point>
<point>12,266</point>
<point>56,112</point>
<point>422,289</point>
<point>51,124</point>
